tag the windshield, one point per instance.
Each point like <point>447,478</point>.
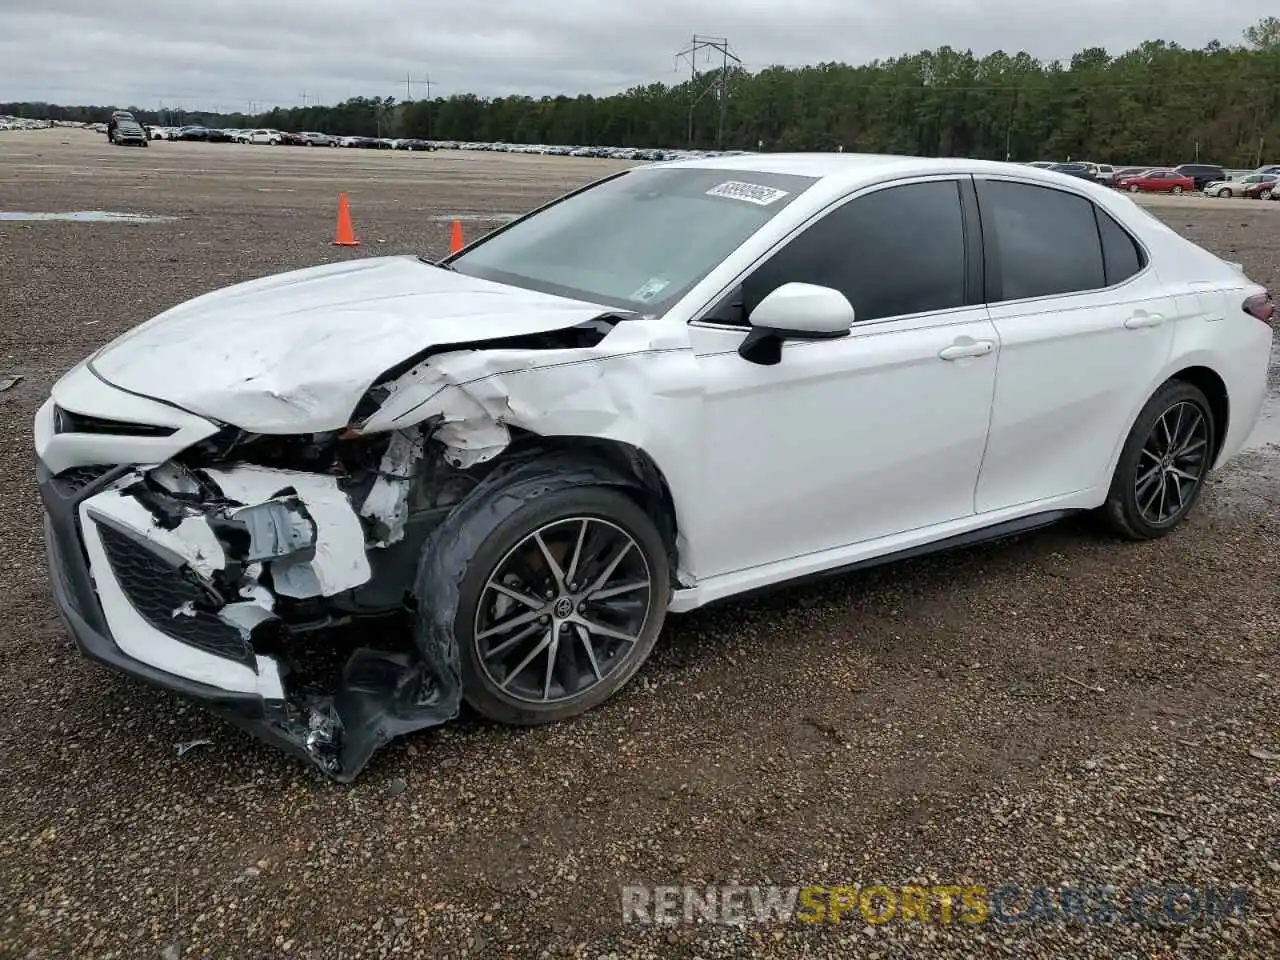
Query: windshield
<point>638,241</point>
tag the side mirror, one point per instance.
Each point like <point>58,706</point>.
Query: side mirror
<point>795,311</point>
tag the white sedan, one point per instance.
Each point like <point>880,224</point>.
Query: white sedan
<point>684,382</point>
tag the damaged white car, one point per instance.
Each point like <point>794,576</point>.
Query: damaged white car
<point>336,503</point>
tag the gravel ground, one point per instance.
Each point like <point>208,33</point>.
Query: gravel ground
<point>1057,709</point>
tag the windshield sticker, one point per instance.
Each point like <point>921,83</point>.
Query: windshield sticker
<point>750,192</point>
<point>650,290</point>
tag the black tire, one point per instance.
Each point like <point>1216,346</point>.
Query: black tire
<point>1123,512</point>
<point>469,548</point>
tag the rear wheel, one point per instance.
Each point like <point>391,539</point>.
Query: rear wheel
<point>1176,190</point>
<point>1163,464</point>
<point>1133,188</point>
<point>562,595</point>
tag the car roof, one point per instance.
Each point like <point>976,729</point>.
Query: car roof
<point>850,170</point>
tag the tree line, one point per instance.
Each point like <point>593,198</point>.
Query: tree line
<point>1159,103</point>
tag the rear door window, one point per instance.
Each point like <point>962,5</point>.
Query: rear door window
<point>1044,242</point>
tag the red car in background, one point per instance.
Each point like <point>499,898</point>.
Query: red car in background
<point>1265,188</point>
<point>1157,181</point>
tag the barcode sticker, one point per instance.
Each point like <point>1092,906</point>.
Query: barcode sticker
<point>749,192</point>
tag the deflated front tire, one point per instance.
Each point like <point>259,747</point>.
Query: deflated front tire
<point>558,591</point>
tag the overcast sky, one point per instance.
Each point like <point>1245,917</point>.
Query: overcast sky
<point>223,54</point>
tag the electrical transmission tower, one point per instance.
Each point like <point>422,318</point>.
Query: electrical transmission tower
<point>720,83</point>
<point>408,96</point>
<point>410,82</point>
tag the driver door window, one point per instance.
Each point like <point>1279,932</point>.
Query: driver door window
<point>894,252</point>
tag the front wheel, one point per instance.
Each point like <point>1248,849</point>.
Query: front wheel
<point>1133,188</point>
<point>1163,464</point>
<point>1264,195</point>
<point>561,592</point>
<point>1224,192</point>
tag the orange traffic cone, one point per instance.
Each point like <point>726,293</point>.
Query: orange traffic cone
<point>455,238</point>
<point>346,234</point>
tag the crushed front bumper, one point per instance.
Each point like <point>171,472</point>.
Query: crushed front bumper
<point>127,603</point>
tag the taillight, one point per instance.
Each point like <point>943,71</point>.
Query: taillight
<point>1261,307</point>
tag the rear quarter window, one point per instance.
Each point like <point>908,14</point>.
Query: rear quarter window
<point>1122,257</point>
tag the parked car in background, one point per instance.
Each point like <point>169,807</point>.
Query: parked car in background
<point>1249,186</point>
<point>193,133</point>
<point>1041,164</point>
<point>292,139</point>
<point>271,137</point>
<point>1125,172</point>
<point>319,139</point>
<point>412,144</point>
<point>1265,189</point>
<point>1078,169</point>
<point>1202,174</point>
<point>113,123</point>
<point>1157,181</point>
<point>1106,173</point>
<point>129,131</point>
<point>1269,168</point>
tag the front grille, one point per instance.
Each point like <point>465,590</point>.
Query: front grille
<point>71,482</point>
<point>64,421</point>
<point>156,590</point>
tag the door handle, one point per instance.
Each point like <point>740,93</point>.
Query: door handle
<point>1143,319</point>
<point>960,350</point>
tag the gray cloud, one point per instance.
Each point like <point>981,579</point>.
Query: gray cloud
<point>224,54</point>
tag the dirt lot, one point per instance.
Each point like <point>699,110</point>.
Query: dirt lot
<point>1059,709</point>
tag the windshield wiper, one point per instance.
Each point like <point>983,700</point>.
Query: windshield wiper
<point>437,263</point>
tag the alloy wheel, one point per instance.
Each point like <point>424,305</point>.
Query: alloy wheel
<point>1172,464</point>
<point>1177,190</point>
<point>563,610</point>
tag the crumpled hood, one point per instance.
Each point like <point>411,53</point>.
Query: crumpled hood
<point>295,352</point>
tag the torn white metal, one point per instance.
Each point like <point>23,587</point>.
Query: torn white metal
<point>388,501</point>
<point>339,561</point>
